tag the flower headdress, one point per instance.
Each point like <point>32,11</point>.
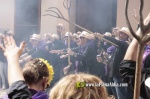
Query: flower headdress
<point>50,70</point>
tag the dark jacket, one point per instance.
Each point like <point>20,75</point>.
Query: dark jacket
<point>40,52</point>
<point>87,58</point>
<point>117,56</point>
<point>127,71</point>
<point>19,90</point>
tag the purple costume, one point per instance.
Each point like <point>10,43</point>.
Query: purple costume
<point>146,53</point>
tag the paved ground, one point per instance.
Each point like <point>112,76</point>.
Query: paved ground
<point>2,92</point>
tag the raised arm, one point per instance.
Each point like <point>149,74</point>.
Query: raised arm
<point>12,53</point>
<point>132,49</point>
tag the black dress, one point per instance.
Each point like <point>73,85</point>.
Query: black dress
<point>127,71</point>
<point>19,90</point>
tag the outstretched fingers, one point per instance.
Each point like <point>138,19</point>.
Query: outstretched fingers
<point>9,41</point>
<point>13,43</point>
<point>22,45</point>
<point>2,47</point>
<point>5,42</point>
<point>8,38</point>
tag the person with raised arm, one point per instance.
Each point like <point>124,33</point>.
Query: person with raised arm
<point>30,82</point>
<point>128,66</point>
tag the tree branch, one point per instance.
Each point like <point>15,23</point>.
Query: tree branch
<point>128,22</point>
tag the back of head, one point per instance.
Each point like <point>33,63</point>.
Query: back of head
<point>69,87</point>
<point>35,70</point>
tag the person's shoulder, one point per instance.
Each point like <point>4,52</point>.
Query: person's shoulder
<point>127,63</point>
<point>41,95</point>
<point>19,90</point>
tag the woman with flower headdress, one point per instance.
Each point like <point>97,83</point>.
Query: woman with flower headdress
<point>38,74</point>
<point>30,82</point>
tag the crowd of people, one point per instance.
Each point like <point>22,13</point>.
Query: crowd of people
<point>40,68</point>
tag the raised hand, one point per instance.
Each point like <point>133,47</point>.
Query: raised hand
<point>11,49</point>
<point>135,16</point>
<point>12,53</point>
<point>67,68</point>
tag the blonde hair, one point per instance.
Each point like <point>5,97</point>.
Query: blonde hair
<point>66,88</point>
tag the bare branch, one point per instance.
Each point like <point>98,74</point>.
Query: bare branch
<point>64,4</point>
<point>54,12</point>
<point>146,39</point>
<point>51,15</point>
<point>137,83</point>
<point>90,32</point>
<point>142,39</point>
<point>57,10</point>
<point>58,16</point>
<point>128,22</point>
<point>141,17</point>
<point>68,4</point>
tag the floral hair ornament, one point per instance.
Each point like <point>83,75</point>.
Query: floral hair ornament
<point>50,70</point>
